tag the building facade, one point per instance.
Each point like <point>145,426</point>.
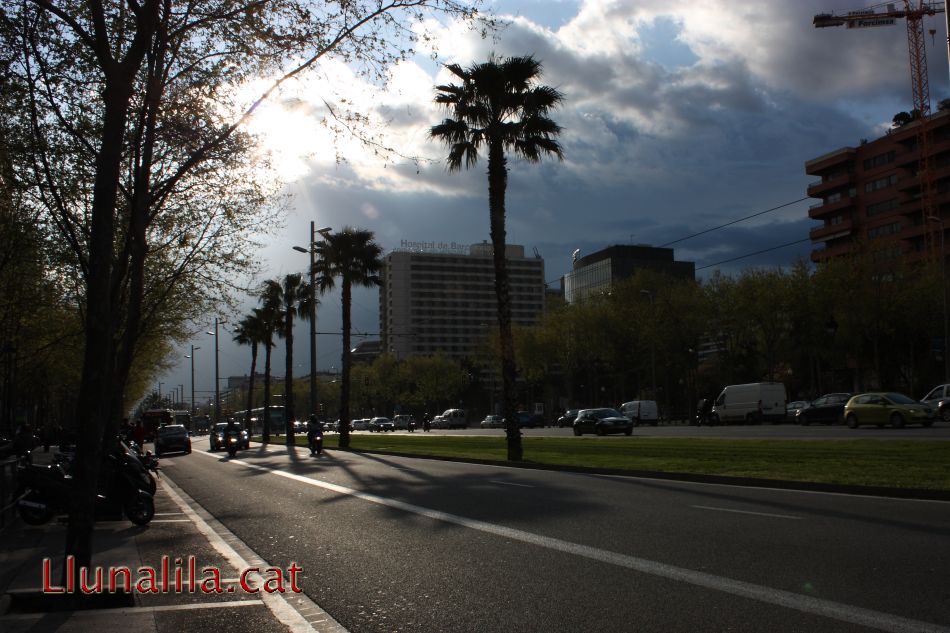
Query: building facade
<point>432,301</point>
<point>594,273</point>
<point>871,195</point>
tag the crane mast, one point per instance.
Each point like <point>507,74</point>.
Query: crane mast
<point>920,84</point>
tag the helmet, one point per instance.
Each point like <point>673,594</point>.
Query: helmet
<point>313,417</point>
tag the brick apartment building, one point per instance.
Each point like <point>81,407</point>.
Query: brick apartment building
<point>872,194</point>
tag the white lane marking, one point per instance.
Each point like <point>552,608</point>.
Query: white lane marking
<point>138,610</point>
<point>169,521</point>
<point>806,604</point>
<point>168,514</point>
<point>508,483</point>
<point>277,603</point>
<point>761,514</point>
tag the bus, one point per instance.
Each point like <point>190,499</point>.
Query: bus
<point>275,413</point>
<point>154,418</point>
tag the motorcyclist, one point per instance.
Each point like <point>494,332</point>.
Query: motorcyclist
<point>314,435</point>
<point>231,430</point>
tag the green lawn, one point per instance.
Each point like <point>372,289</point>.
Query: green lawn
<point>893,463</point>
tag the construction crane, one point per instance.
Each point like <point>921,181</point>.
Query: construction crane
<point>886,14</point>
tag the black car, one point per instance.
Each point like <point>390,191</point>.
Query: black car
<point>828,409</point>
<point>172,438</point>
<point>568,418</point>
<point>529,420</point>
<point>217,437</point>
<point>602,422</point>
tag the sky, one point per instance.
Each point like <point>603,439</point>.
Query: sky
<point>678,116</point>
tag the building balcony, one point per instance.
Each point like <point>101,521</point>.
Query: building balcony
<point>823,163</point>
<point>822,187</point>
<point>821,209</point>
<point>830,231</point>
<point>823,254</point>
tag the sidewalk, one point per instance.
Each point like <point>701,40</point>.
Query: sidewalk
<point>171,540</point>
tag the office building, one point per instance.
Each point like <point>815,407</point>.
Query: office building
<point>873,195</point>
<point>594,273</point>
<point>441,298</point>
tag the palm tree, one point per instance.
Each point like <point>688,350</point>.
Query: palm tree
<point>251,331</point>
<point>271,322</point>
<point>499,105</point>
<point>293,295</point>
<point>355,258</point>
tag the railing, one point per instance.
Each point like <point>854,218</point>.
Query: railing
<point>7,487</point>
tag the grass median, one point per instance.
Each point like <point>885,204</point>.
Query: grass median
<point>919,464</point>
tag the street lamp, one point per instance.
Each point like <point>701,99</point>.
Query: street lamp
<point>943,268</point>
<point>325,233</point>
<point>217,393</point>
<point>192,357</point>
<point>652,343</point>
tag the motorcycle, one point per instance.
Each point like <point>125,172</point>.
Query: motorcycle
<point>234,443</point>
<point>45,491</point>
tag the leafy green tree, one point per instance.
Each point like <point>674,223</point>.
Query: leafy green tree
<point>499,106</point>
<point>353,257</point>
<point>161,117</point>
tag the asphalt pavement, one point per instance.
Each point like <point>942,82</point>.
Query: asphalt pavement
<point>387,544</point>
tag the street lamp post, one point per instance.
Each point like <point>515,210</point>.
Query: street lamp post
<point>943,269</point>
<point>325,231</point>
<point>192,357</point>
<point>652,344</point>
<point>217,380</point>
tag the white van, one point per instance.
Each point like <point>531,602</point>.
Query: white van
<point>451,419</point>
<point>753,403</point>
<point>640,411</point>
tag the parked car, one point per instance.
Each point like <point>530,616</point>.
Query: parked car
<point>793,407</point>
<point>568,418</point>
<point>752,403</point>
<point>641,412</point>
<point>493,422</point>
<point>381,425</point>
<point>602,422</point>
<point>172,438</point>
<point>360,424</point>
<point>939,400</point>
<point>528,420</point>
<point>891,408</point>
<point>828,409</point>
<point>403,422</point>
<point>300,426</point>
<point>217,437</point>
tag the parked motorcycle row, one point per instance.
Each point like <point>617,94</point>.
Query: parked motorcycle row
<point>126,485</point>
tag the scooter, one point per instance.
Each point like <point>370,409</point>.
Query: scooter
<point>316,444</point>
<point>45,491</point>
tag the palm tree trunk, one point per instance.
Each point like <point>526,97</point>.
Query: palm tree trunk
<point>250,389</point>
<point>265,434</point>
<point>289,377</point>
<point>345,368</point>
<point>497,183</point>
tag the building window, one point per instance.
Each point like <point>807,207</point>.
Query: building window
<point>884,229</point>
<point>881,183</point>
<point>879,160</point>
<point>881,207</point>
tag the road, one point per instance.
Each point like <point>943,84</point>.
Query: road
<point>396,544</point>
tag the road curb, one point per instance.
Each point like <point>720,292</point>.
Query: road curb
<point>808,486</point>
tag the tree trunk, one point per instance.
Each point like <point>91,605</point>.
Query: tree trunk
<point>345,368</point>
<point>497,182</point>
<point>289,376</point>
<point>250,390</point>
<point>95,390</point>
<point>265,433</point>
